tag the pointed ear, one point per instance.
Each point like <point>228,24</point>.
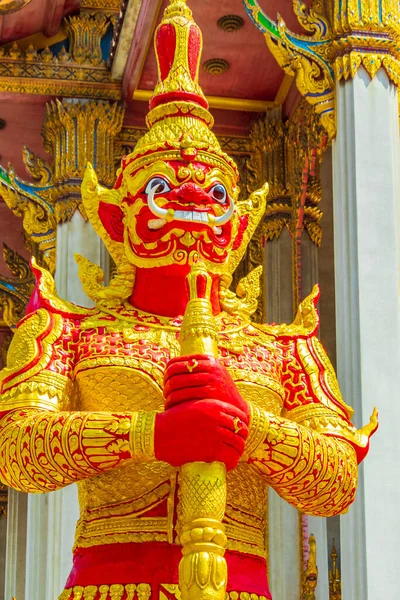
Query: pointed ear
<point>111,217</point>
<point>107,220</point>
<point>250,212</point>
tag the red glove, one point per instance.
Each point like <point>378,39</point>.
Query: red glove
<point>198,377</point>
<point>206,418</point>
<point>200,430</point>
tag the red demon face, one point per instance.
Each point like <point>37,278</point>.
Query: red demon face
<point>174,211</point>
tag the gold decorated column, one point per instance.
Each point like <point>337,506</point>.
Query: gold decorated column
<point>365,33</point>
<point>287,154</point>
<point>76,132</point>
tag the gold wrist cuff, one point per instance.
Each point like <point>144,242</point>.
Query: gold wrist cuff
<point>142,435</point>
<point>258,429</point>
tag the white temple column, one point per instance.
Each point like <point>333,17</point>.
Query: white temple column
<point>52,517</point>
<point>284,548</point>
<point>76,237</point>
<point>325,530</point>
<point>366,166</point>
<point>16,543</point>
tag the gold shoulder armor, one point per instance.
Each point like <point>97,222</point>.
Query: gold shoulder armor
<point>26,380</point>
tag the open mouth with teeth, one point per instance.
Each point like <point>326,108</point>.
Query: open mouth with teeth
<point>182,218</point>
<point>179,220</point>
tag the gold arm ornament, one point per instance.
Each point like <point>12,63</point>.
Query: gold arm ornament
<point>203,572</point>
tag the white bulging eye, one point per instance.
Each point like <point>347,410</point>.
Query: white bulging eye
<point>218,193</point>
<point>157,185</point>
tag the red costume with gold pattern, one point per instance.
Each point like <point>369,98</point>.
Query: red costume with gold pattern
<point>103,398</point>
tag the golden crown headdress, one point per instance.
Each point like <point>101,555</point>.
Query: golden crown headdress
<point>179,129</point>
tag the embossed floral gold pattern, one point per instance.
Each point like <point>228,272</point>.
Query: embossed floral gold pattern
<point>15,291</point>
<point>79,72</point>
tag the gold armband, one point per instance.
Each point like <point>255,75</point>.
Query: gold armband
<point>258,429</point>
<point>142,435</point>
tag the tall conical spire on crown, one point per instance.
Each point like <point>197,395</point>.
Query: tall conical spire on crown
<point>179,121</point>
<point>178,44</point>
